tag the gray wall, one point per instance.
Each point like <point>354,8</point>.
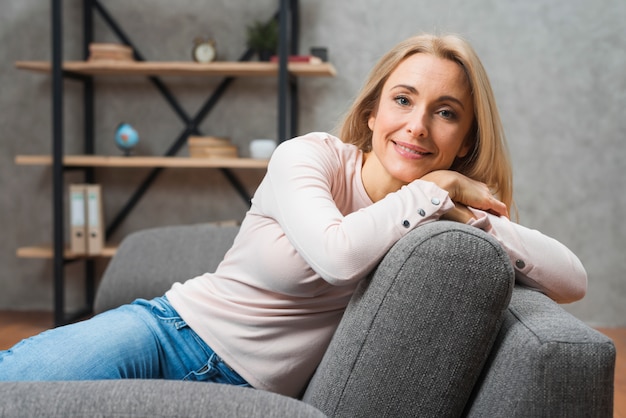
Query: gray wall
<point>557,68</point>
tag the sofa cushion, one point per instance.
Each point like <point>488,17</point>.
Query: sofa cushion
<point>144,398</point>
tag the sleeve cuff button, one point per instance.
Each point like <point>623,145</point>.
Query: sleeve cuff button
<point>421,212</point>
<point>406,223</point>
<point>435,201</point>
<point>520,264</point>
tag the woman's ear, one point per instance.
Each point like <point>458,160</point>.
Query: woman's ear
<point>469,142</point>
<point>371,121</point>
<point>466,147</point>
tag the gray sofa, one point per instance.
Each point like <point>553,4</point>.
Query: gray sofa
<point>409,344</point>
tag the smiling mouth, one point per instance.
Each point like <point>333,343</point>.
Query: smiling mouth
<point>410,150</point>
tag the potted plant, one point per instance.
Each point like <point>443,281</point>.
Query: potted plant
<point>263,38</point>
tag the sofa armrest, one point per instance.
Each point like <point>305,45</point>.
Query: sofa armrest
<point>149,261</point>
<point>415,336</point>
<point>546,363</point>
<point>145,398</point>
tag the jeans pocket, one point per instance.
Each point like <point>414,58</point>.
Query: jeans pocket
<point>161,309</point>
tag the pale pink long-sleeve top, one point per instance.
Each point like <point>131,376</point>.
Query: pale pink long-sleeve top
<point>311,234</point>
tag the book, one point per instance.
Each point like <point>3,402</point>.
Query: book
<point>211,147</point>
<point>309,59</point>
<point>110,52</point>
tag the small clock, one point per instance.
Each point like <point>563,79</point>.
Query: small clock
<point>204,50</point>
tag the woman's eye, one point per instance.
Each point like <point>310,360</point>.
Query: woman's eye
<point>402,100</point>
<point>447,114</point>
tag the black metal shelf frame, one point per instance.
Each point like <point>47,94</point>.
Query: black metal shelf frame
<point>288,18</point>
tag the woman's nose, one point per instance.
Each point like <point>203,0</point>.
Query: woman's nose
<point>417,124</point>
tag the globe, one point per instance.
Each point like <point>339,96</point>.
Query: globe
<point>126,137</point>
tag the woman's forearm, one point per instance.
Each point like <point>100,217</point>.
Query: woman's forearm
<point>540,261</point>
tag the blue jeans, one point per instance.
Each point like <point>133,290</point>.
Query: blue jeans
<point>143,340</point>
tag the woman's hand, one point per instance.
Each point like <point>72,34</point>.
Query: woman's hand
<point>459,213</point>
<point>465,191</point>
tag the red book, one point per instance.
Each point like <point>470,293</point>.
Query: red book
<point>310,59</point>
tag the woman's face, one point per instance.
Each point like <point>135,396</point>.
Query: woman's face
<point>424,115</point>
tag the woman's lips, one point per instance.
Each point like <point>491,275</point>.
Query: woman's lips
<point>409,150</point>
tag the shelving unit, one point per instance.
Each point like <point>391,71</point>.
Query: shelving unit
<point>136,162</point>
<point>178,68</point>
<point>84,72</point>
<point>46,252</point>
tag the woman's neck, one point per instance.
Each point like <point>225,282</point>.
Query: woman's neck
<point>376,180</point>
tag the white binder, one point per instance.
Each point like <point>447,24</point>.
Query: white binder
<point>78,219</point>
<point>95,228</point>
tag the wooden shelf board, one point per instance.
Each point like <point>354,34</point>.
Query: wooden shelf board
<point>45,251</point>
<point>119,161</point>
<point>182,68</point>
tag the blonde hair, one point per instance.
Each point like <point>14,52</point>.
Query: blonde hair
<point>488,160</point>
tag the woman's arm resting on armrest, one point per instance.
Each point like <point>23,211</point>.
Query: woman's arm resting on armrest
<point>540,262</point>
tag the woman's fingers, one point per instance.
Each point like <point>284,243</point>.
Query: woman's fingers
<point>498,208</point>
<point>467,191</point>
<point>477,195</point>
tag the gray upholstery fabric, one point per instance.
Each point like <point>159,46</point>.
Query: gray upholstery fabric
<point>546,363</point>
<point>412,342</point>
<point>415,337</point>
<point>150,261</point>
<point>144,398</point>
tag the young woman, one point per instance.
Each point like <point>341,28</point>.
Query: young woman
<point>422,142</point>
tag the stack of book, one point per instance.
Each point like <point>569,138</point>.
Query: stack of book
<point>211,147</point>
<point>110,52</point>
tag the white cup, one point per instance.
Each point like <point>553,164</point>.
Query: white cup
<point>262,148</point>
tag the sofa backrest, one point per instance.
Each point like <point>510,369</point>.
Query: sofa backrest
<point>148,262</point>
